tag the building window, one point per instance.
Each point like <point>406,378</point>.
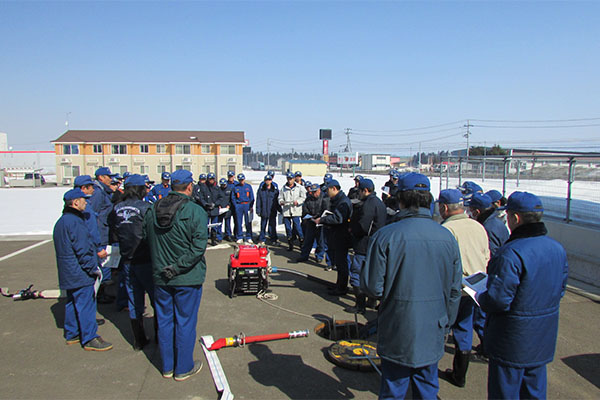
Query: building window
<point>144,169</point>
<point>178,167</point>
<point>228,149</point>
<point>161,148</point>
<point>161,168</point>
<point>206,169</point>
<point>71,171</point>
<point>119,149</point>
<point>97,149</point>
<point>182,149</point>
<point>122,169</point>
<point>70,149</point>
<point>205,149</point>
<point>143,148</point>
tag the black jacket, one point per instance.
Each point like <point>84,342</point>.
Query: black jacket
<point>209,197</point>
<point>368,219</point>
<point>338,220</point>
<point>126,223</point>
<point>225,199</point>
<point>315,206</point>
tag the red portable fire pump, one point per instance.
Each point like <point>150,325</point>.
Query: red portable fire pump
<point>248,270</point>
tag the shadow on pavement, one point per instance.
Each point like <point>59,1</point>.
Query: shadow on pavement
<point>586,365</point>
<point>292,376</point>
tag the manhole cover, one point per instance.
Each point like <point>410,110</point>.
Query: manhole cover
<point>354,354</point>
<point>339,329</point>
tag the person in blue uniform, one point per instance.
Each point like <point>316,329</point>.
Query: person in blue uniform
<point>77,263</point>
<point>161,190</point>
<point>414,267</point>
<point>225,203</point>
<point>326,179</point>
<point>209,197</point>
<point>267,198</point>
<point>298,179</point>
<point>242,197</point>
<point>527,278</point>
<point>101,203</point>
<point>391,185</point>
<point>149,184</point>
<point>126,221</point>
<point>229,232</point>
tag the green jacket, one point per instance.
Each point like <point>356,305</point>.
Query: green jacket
<point>176,231</point>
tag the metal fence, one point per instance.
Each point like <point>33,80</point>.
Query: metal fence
<point>569,185</point>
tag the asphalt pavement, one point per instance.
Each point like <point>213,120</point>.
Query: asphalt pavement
<point>36,363</point>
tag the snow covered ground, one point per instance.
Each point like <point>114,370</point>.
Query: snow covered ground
<point>34,211</point>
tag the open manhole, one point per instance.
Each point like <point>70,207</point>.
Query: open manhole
<point>355,354</point>
<point>339,329</point>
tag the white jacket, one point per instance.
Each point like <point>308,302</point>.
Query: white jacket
<point>288,196</point>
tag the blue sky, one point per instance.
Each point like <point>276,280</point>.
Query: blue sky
<point>282,70</point>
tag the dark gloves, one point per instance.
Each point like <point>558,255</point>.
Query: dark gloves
<point>210,206</point>
<point>170,272</point>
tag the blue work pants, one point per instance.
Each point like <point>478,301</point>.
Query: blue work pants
<point>268,223</point>
<point>313,237</point>
<point>213,220</point>
<point>138,281</point>
<point>242,213</point>
<point>463,327</point>
<point>516,383</point>
<point>356,266</point>
<point>177,314</point>
<point>395,379</point>
<point>80,314</point>
<point>292,225</point>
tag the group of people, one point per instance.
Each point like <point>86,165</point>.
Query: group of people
<point>161,244</point>
<point>402,258</point>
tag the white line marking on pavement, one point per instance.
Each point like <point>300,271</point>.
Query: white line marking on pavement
<point>33,246</point>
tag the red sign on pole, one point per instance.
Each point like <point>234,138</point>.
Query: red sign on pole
<point>325,147</point>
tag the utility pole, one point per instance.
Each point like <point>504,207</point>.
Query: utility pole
<point>268,153</point>
<point>67,120</point>
<point>348,144</point>
<point>484,155</point>
<point>419,156</point>
<point>468,125</point>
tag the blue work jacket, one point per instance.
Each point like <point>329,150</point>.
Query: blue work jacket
<point>159,191</point>
<point>497,232</point>
<point>101,202</point>
<point>76,256</point>
<point>414,266</point>
<point>242,194</point>
<point>527,278</point>
<point>267,201</point>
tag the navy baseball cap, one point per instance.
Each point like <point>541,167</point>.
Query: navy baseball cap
<point>268,177</point>
<point>75,194</point>
<point>470,187</point>
<point>104,171</point>
<point>83,180</point>
<point>298,173</point>
<point>314,187</point>
<point>366,184</point>
<point>524,202</point>
<point>333,183</point>
<point>181,176</point>
<point>211,176</point>
<point>230,173</point>
<point>147,179</point>
<point>307,184</point>
<point>270,172</point>
<point>135,180</point>
<point>494,195</point>
<point>414,181</point>
<point>450,196</point>
<point>200,177</point>
<point>480,201</point>
<point>241,177</point>
<point>358,177</point>
<point>327,177</point>
<point>290,175</point>
<point>222,181</point>
<point>165,175</point>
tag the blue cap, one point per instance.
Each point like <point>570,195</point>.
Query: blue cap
<point>82,180</point>
<point>450,196</point>
<point>524,202</point>
<point>268,177</point>
<point>135,180</point>
<point>104,171</point>
<point>358,177</point>
<point>494,195</point>
<point>201,177</point>
<point>298,173</point>
<point>165,175</point>
<point>307,184</point>
<point>211,175</point>
<point>126,174</point>
<point>327,177</point>
<point>241,177</point>
<point>222,181</point>
<point>75,194</point>
<point>393,172</point>
<point>270,172</point>
<point>147,179</point>
<point>470,187</point>
<point>414,181</point>
<point>333,183</point>
<point>290,175</point>
<point>230,173</point>
<point>181,176</point>
<point>366,184</point>
<point>314,187</point>
<point>480,201</point>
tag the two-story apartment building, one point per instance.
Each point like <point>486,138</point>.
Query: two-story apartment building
<point>81,152</point>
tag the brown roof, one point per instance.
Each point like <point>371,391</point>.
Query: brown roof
<point>72,136</point>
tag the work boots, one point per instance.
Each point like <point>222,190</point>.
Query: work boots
<point>361,300</point>
<point>458,374</point>
<point>290,245</point>
<point>139,335</point>
<point>213,238</point>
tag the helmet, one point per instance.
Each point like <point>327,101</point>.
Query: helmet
<point>211,176</point>
<point>358,178</point>
<point>268,177</point>
<point>271,172</point>
<point>298,173</point>
<point>165,175</point>
<point>230,173</point>
<point>202,177</point>
<point>241,177</point>
<point>327,177</point>
<point>307,183</point>
<point>222,181</point>
<point>290,175</point>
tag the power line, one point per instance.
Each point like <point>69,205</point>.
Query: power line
<point>535,127</point>
<point>538,121</point>
<point>410,129</point>
<point>407,134</point>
